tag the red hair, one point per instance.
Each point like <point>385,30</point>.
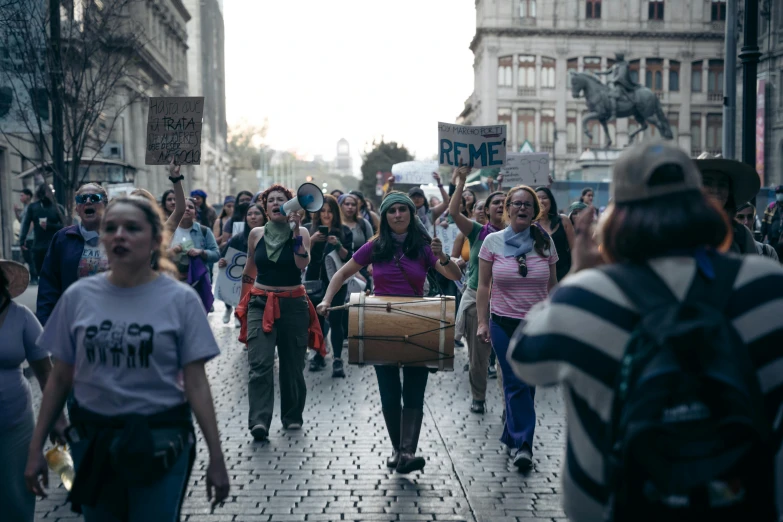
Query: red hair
<point>275,188</point>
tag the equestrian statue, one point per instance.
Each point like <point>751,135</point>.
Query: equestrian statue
<point>621,98</point>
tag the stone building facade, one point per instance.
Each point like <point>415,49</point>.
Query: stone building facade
<point>207,78</point>
<point>524,50</point>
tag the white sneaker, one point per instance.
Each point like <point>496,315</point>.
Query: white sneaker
<point>227,316</point>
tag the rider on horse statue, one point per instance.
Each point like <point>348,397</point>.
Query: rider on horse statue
<point>620,82</point>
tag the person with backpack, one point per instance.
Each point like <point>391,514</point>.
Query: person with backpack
<point>668,351</point>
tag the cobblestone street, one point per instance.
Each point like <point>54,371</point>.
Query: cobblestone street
<point>334,468</point>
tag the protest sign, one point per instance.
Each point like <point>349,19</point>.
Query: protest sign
<point>174,130</point>
<point>237,228</point>
<point>474,147</point>
<point>229,280</point>
<point>115,190</point>
<point>531,169</point>
<point>414,172</point>
<point>447,236</point>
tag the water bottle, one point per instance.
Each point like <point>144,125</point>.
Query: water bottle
<point>61,463</point>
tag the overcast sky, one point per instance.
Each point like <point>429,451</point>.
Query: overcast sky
<point>358,69</point>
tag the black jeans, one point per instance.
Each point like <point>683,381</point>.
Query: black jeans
<point>410,389</point>
<point>27,255</point>
<point>38,258</point>
<point>338,329</point>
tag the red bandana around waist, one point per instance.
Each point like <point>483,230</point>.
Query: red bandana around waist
<point>272,313</point>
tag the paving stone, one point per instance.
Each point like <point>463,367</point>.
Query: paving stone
<point>334,468</point>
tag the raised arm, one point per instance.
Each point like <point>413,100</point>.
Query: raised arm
<point>464,224</point>
<point>179,199</point>
<point>443,205</point>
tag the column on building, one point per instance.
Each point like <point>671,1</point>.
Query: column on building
<point>686,77</point>
<point>562,92</point>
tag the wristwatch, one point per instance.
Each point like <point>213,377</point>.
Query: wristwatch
<point>448,260</point>
<point>178,178</point>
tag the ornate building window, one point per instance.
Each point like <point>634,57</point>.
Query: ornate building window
<point>695,134</point>
<point>696,68</point>
<point>718,11</point>
<point>655,10</point>
<point>504,118</point>
<point>526,126</point>
<point>547,129</point>
<point>715,80</point>
<point>593,9</point>
<point>505,71</point>
<point>548,73</point>
<point>527,8</point>
<point>653,74</point>
<point>714,133</point>
<point>674,123</point>
<point>571,130</point>
<point>674,76</point>
<point>592,63</point>
<point>527,72</point>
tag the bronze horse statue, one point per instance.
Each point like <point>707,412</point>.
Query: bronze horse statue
<point>641,104</point>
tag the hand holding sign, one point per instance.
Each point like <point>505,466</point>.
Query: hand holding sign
<point>475,147</point>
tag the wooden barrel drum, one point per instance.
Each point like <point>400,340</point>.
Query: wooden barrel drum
<point>406,331</point>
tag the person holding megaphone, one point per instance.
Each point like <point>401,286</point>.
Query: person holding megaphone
<point>274,308</point>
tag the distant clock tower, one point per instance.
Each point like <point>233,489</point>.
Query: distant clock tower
<point>343,163</point>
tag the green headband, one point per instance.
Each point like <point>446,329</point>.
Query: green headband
<point>396,197</point>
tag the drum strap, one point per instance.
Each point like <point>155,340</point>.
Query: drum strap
<point>415,292</point>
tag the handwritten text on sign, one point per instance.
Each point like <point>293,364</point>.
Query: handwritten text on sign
<point>474,147</point>
<point>531,169</point>
<point>229,280</point>
<point>174,130</point>
<point>414,172</point>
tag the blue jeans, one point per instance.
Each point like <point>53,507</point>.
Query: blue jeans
<point>158,502</point>
<point>520,398</point>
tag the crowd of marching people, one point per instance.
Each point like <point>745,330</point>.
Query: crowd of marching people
<point>659,315</point>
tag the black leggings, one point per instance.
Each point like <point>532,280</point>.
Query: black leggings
<point>338,326</point>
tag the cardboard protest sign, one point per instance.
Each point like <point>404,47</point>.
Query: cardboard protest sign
<point>447,236</point>
<point>174,130</point>
<point>229,281</point>
<point>531,169</point>
<point>414,172</point>
<point>474,147</point>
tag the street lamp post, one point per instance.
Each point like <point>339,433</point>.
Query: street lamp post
<point>749,55</point>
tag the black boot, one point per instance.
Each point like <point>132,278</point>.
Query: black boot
<point>409,440</point>
<point>392,418</point>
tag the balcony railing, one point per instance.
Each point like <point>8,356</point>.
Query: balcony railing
<point>571,148</point>
<point>526,91</point>
<point>715,96</point>
<point>715,151</point>
<point>548,147</point>
<point>526,21</point>
<point>695,152</point>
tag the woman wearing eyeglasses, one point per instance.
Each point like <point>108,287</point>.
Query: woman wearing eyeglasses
<point>518,265</point>
<point>75,251</point>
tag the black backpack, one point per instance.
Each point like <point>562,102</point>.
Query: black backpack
<point>688,438</point>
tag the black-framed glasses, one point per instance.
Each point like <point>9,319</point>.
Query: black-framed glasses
<point>81,199</point>
<point>521,204</point>
<point>522,260</point>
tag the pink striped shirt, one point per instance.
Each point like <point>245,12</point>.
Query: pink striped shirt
<point>511,294</point>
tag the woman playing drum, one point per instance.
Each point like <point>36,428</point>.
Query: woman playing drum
<point>400,255</point>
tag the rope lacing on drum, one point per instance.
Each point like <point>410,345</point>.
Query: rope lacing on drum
<point>406,339</point>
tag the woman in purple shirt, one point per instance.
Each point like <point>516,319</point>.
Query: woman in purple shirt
<point>401,254</point>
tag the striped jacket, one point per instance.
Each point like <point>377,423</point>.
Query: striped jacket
<point>578,337</point>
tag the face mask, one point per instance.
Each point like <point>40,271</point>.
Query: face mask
<point>779,197</point>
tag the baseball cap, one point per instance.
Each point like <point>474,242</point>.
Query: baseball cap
<point>632,172</point>
<point>415,191</point>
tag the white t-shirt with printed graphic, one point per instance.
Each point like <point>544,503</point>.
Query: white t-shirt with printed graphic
<point>128,345</point>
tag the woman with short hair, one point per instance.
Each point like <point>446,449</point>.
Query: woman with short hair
<point>135,364</point>
<point>518,265</point>
<point>661,222</point>
<point>401,255</point>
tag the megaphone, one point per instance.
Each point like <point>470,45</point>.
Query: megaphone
<point>308,197</point>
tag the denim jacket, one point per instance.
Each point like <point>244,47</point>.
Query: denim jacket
<point>204,239</point>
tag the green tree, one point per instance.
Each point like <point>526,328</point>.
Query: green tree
<point>380,159</point>
<point>244,145</point>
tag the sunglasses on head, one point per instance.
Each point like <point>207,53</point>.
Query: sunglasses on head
<point>81,199</point>
<point>522,260</point>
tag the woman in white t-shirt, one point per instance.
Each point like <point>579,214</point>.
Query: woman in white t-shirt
<point>135,363</point>
<point>518,265</point>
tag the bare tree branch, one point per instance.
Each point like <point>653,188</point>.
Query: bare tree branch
<point>99,73</point>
